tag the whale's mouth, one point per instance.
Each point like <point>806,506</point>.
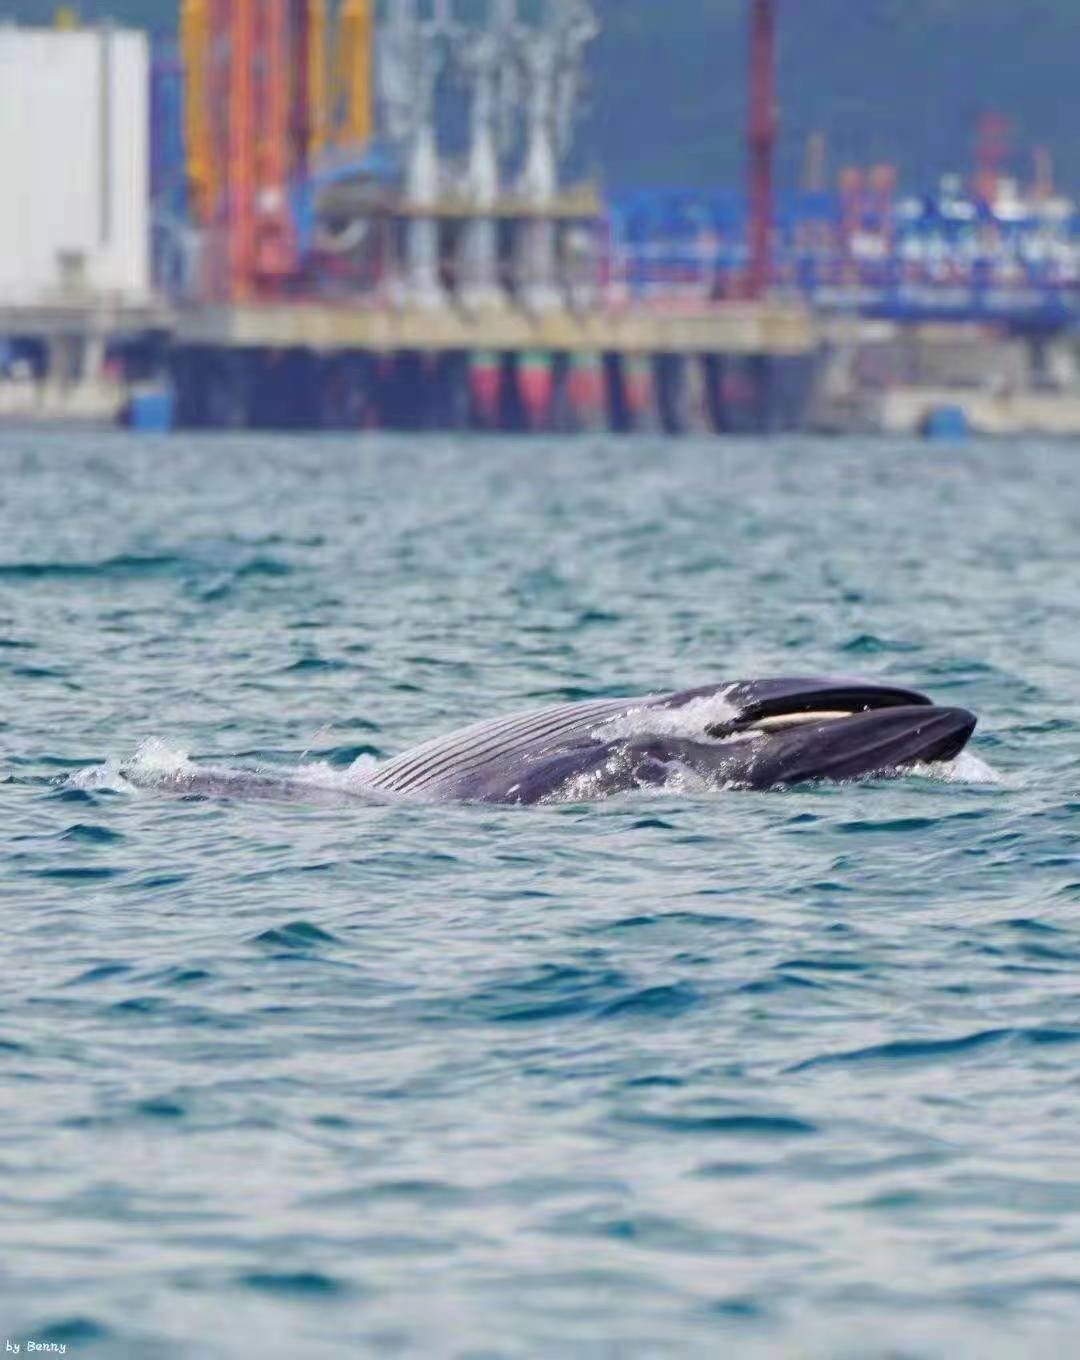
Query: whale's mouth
<point>779,705</point>
<point>836,745</point>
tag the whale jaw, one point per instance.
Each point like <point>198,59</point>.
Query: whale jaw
<point>852,747</point>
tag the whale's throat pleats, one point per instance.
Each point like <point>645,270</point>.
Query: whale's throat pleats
<point>462,754</point>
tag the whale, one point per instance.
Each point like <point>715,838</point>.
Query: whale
<point>745,734</point>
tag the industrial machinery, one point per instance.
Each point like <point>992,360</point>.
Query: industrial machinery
<point>292,107</point>
<point>263,105</point>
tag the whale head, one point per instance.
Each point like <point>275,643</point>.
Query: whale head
<point>797,730</point>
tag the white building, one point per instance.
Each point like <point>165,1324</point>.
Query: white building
<point>74,165</point>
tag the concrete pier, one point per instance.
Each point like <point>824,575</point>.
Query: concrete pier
<point>321,366</point>
<point>301,365</point>
<point>742,328</point>
<point>731,368</point>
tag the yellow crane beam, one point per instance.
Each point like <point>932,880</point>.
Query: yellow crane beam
<point>354,73</point>
<point>195,57</point>
<point>317,89</point>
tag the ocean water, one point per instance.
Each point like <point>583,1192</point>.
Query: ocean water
<point>686,1073</point>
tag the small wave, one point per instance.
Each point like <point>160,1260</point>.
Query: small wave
<point>156,765</point>
<point>940,1050</point>
<point>659,1002</point>
<point>125,564</point>
<point>690,720</point>
<point>869,644</point>
<point>966,768</point>
<point>74,1331</point>
<point>295,935</point>
<point>737,1124</point>
<point>312,1283</point>
<point>91,835</point>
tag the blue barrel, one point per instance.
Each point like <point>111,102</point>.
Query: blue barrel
<point>151,410</point>
<point>946,422</point>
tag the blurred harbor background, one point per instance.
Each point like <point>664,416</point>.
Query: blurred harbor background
<point>471,214</point>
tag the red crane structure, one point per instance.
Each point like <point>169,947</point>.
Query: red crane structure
<point>258,115</point>
<point>991,155</point>
<point>761,140</point>
<point>251,84</point>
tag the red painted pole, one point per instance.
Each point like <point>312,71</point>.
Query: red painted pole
<point>299,123</point>
<point>764,122</point>
<point>992,151</point>
<point>273,254</point>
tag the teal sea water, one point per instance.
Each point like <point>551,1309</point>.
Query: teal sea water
<point>680,1074</point>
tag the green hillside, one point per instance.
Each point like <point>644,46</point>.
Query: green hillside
<point>901,80</point>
